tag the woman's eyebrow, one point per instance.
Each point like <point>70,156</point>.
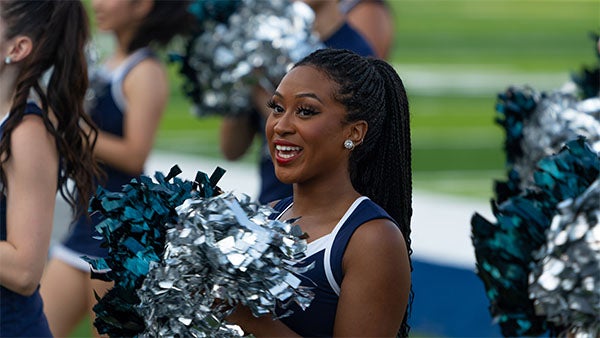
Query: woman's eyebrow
<point>310,95</point>
<point>300,95</point>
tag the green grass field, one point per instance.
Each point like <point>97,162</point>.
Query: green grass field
<point>457,145</point>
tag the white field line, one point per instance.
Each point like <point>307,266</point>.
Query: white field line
<point>473,80</point>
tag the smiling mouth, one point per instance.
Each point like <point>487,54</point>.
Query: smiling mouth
<point>285,153</point>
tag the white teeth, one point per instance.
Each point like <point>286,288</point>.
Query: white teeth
<point>287,148</point>
<point>282,155</point>
<point>286,151</point>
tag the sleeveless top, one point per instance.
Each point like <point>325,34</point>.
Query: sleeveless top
<point>271,189</point>
<point>326,276</point>
<point>106,107</point>
<point>20,316</point>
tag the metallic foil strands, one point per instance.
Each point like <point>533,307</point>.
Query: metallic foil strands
<point>539,262</point>
<point>133,231</point>
<point>223,251</point>
<point>504,249</point>
<point>243,44</point>
<point>183,254</point>
<point>565,281</point>
<point>557,119</point>
<point>538,125</point>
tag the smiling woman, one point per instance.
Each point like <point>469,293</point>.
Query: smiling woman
<point>306,108</point>
<point>342,138</point>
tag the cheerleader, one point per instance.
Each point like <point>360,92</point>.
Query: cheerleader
<point>41,146</point>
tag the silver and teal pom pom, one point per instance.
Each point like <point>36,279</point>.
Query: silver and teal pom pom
<point>223,251</point>
<point>565,282</point>
<point>538,125</point>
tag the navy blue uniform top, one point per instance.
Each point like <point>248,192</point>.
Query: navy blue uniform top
<point>20,316</point>
<point>271,189</point>
<point>107,110</point>
<point>326,276</point>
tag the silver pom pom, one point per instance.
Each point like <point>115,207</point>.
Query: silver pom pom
<point>223,251</point>
<point>565,283</point>
<point>558,118</point>
<point>257,46</point>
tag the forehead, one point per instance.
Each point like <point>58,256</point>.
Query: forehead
<point>307,79</point>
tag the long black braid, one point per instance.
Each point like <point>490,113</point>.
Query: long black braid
<point>380,167</point>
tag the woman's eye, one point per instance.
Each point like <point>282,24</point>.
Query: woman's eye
<point>306,112</point>
<point>275,107</point>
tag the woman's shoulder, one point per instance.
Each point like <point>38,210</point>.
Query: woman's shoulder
<point>378,241</point>
<point>376,225</point>
<point>148,79</point>
<point>142,61</point>
<point>369,210</point>
<point>31,135</point>
<point>148,67</point>
<point>144,66</point>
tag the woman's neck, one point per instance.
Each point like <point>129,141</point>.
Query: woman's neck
<point>320,208</point>
<point>121,50</point>
<point>124,38</point>
<point>311,198</point>
<point>7,91</point>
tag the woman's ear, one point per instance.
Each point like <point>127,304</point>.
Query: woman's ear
<point>358,130</point>
<point>19,48</point>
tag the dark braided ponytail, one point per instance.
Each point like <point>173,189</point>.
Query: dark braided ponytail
<point>380,167</point>
<point>59,31</point>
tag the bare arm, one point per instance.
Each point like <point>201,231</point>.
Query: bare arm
<point>31,174</point>
<point>374,292</point>
<point>236,136</point>
<point>146,92</point>
<point>375,22</point>
<point>237,133</point>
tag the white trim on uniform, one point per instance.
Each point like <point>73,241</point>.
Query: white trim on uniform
<point>327,257</point>
<point>119,75</point>
<point>326,242</point>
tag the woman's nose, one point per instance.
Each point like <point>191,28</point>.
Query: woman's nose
<point>284,124</point>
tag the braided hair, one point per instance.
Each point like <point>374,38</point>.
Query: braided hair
<point>380,168</point>
<point>59,31</point>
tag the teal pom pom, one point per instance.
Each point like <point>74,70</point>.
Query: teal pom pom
<point>504,249</point>
<point>134,230</point>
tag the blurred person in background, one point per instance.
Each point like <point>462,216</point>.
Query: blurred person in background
<point>374,20</point>
<point>130,95</point>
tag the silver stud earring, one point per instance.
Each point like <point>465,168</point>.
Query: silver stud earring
<point>348,144</point>
<point>7,60</point>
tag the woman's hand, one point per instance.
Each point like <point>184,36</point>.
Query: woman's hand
<point>263,326</point>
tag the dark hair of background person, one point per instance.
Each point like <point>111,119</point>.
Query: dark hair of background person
<point>380,167</point>
<point>162,23</point>
<point>59,30</point>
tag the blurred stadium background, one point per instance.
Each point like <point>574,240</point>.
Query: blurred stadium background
<point>454,56</point>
